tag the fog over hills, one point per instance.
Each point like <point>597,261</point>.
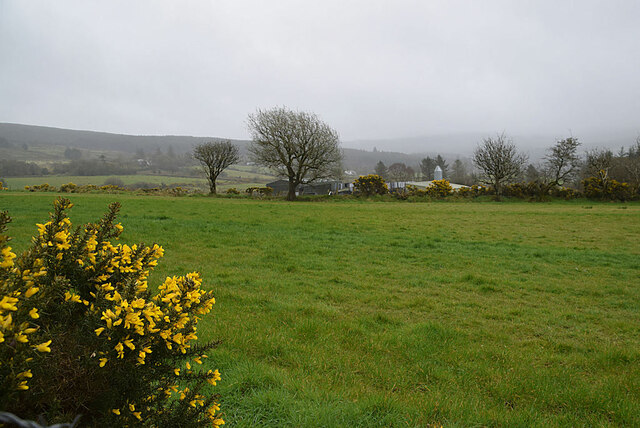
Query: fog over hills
<point>462,144</point>
<point>360,155</point>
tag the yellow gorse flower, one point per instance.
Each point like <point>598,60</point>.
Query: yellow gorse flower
<point>7,258</point>
<point>43,347</point>
<point>8,303</point>
<point>31,291</point>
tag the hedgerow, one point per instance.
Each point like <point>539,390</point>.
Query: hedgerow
<point>80,332</point>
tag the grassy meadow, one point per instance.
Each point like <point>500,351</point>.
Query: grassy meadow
<point>402,314</point>
<point>238,176</point>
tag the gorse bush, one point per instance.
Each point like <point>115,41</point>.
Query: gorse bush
<point>601,187</point>
<point>44,187</point>
<point>435,189</point>
<point>371,184</point>
<point>69,188</point>
<point>439,189</point>
<point>80,333</point>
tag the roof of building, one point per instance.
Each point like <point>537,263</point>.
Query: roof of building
<point>425,184</point>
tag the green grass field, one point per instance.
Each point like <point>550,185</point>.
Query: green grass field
<point>239,177</point>
<point>402,314</point>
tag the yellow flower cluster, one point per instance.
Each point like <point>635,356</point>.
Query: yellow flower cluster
<point>106,286</point>
<point>17,312</point>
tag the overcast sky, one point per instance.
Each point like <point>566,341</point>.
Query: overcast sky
<point>371,69</point>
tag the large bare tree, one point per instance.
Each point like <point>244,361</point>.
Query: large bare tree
<point>215,157</point>
<point>296,145</point>
<point>499,161</point>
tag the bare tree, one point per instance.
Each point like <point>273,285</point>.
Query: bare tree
<point>499,161</point>
<point>598,163</point>
<point>297,145</point>
<point>562,164</point>
<point>215,157</point>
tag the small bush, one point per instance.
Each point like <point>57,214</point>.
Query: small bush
<point>412,190</point>
<point>110,188</point>
<point>371,184</point>
<point>177,191</point>
<point>233,191</point>
<point>141,185</point>
<point>88,188</point>
<point>259,191</point>
<point>45,187</point>
<point>114,181</point>
<point>69,188</point>
<point>80,333</point>
<point>439,189</point>
<point>566,193</point>
<point>601,188</point>
<point>473,191</point>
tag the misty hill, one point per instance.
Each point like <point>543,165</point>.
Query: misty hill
<point>13,136</point>
<point>16,134</point>
<point>462,145</point>
<point>360,155</point>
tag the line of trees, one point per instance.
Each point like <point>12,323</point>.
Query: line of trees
<point>457,172</point>
<point>600,173</point>
<point>496,162</point>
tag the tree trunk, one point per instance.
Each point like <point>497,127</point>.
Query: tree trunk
<point>291,196</point>
<point>212,187</point>
<point>498,189</point>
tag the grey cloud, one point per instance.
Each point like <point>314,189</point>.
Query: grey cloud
<point>371,69</point>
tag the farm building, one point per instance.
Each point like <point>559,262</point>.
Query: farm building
<point>281,187</point>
